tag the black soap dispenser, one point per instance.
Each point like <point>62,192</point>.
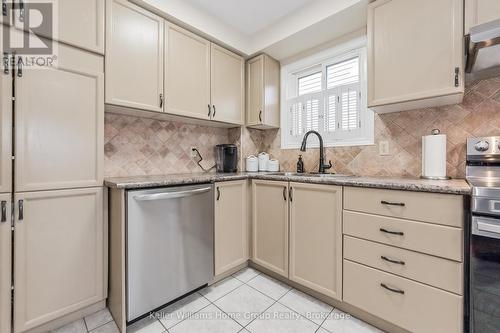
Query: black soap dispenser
<point>300,165</point>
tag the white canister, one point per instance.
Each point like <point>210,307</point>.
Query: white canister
<point>263,160</point>
<point>273,165</point>
<point>252,164</point>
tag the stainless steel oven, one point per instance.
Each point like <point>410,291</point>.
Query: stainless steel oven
<point>483,173</point>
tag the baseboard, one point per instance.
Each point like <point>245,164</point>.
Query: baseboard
<point>74,316</point>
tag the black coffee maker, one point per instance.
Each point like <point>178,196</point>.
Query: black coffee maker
<point>226,158</point>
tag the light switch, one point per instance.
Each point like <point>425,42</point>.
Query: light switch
<point>383,148</point>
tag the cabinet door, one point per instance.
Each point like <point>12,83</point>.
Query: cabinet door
<point>270,225</point>
<point>134,56</point>
<point>5,125</point>
<point>187,73</point>
<point>59,254</point>
<point>255,90</point>
<point>480,11</point>
<point>60,123</point>
<point>231,227</point>
<point>5,262</point>
<point>78,22</point>
<point>227,86</point>
<point>81,23</point>
<point>316,237</point>
<point>414,48</point>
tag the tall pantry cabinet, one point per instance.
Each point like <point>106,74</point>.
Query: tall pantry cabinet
<point>51,180</point>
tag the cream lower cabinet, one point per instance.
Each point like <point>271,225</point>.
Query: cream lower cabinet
<point>479,12</point>
<point>415,54</point>
<point>270,225</point>
<point>60,123</point>
<point>134,57</point>
<point>59,246</point>
<point>5,262</point>
<point>231,226</point>
<point>316,237</point>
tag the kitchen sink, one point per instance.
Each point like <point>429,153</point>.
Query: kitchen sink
<point>310,174</point>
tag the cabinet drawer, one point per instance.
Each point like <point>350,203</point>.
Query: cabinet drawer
<point>444,209</point>
<point>411,305</point>
<point>427,238</point>
<point>437,272</point>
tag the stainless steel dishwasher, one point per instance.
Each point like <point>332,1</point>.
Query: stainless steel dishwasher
<point>170,239</point>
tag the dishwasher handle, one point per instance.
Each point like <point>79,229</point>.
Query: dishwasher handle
<point>171,195</point>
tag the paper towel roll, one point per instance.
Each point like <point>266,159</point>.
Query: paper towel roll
<point>434,156</point>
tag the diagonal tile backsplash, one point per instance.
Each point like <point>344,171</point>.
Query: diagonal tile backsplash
<point>140,146</point>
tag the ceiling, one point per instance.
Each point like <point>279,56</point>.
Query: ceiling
<point>249,16</point>
<point>281,28</point>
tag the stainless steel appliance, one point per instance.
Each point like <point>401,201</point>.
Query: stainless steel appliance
<point>226,157</point>
<point>170,240</point>
<point>483,173</point>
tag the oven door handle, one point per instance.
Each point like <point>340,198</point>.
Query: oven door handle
<point>487,227</point>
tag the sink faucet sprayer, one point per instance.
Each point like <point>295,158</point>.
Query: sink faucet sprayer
<point>322,165</point>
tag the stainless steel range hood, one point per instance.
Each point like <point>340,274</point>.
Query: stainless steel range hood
<point>483,53</point>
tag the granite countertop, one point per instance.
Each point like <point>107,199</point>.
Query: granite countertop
<point>453,186</point>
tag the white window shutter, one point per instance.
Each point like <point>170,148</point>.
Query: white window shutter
<point>349,108</point>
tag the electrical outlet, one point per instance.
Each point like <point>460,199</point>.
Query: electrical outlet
<point>192,152</point>
<point>383,148</point>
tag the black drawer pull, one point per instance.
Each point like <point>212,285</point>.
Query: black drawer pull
<point>397,291</point>
<point>399,262</point>
<point>399,233</point>
<point>400,204</point>
<point>284,193</point>
<point>4,212</point>
<point>218,193</point>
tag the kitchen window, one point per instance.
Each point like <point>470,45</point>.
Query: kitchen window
<point>327,93</point>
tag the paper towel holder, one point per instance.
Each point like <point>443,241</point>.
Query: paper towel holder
<point>435,131</point>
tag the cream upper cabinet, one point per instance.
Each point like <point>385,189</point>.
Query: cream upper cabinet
<point>270,225</point>
<point>227,86</point>
<point>5,262</point>
<point>263,92</point>
<point>231,225</point>
<point>59,254</point>
<point>5,126</point>
<point>187,73</point>
<point>316,237</point>
<point>67,102</point>
<point>78,22</point>
<point>415,54</point>
<point>81,23</point>
<point>480,11</point>
<point>134,56</point>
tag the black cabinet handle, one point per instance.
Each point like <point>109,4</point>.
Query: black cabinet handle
<point>161,100</point>
<point>290,193</point>
<point>215,111</point>
<point>21,210</point>
<point>209,111</point>
<point>6,63</point>
<point>21,11</point>
<point>19,67</point>
<point>284,193</point>
<point>399,233</point>
<point>218,193</point>
<point>401,204</point>
<point>394,290</point>
<point>260,115</point>
<point>4,212</point>
<point>399,262</point>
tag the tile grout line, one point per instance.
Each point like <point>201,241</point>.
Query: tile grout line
<point>192,314</point>
<point>320,326</point>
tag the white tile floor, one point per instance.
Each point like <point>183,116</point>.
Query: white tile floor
<point>249,301</point>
